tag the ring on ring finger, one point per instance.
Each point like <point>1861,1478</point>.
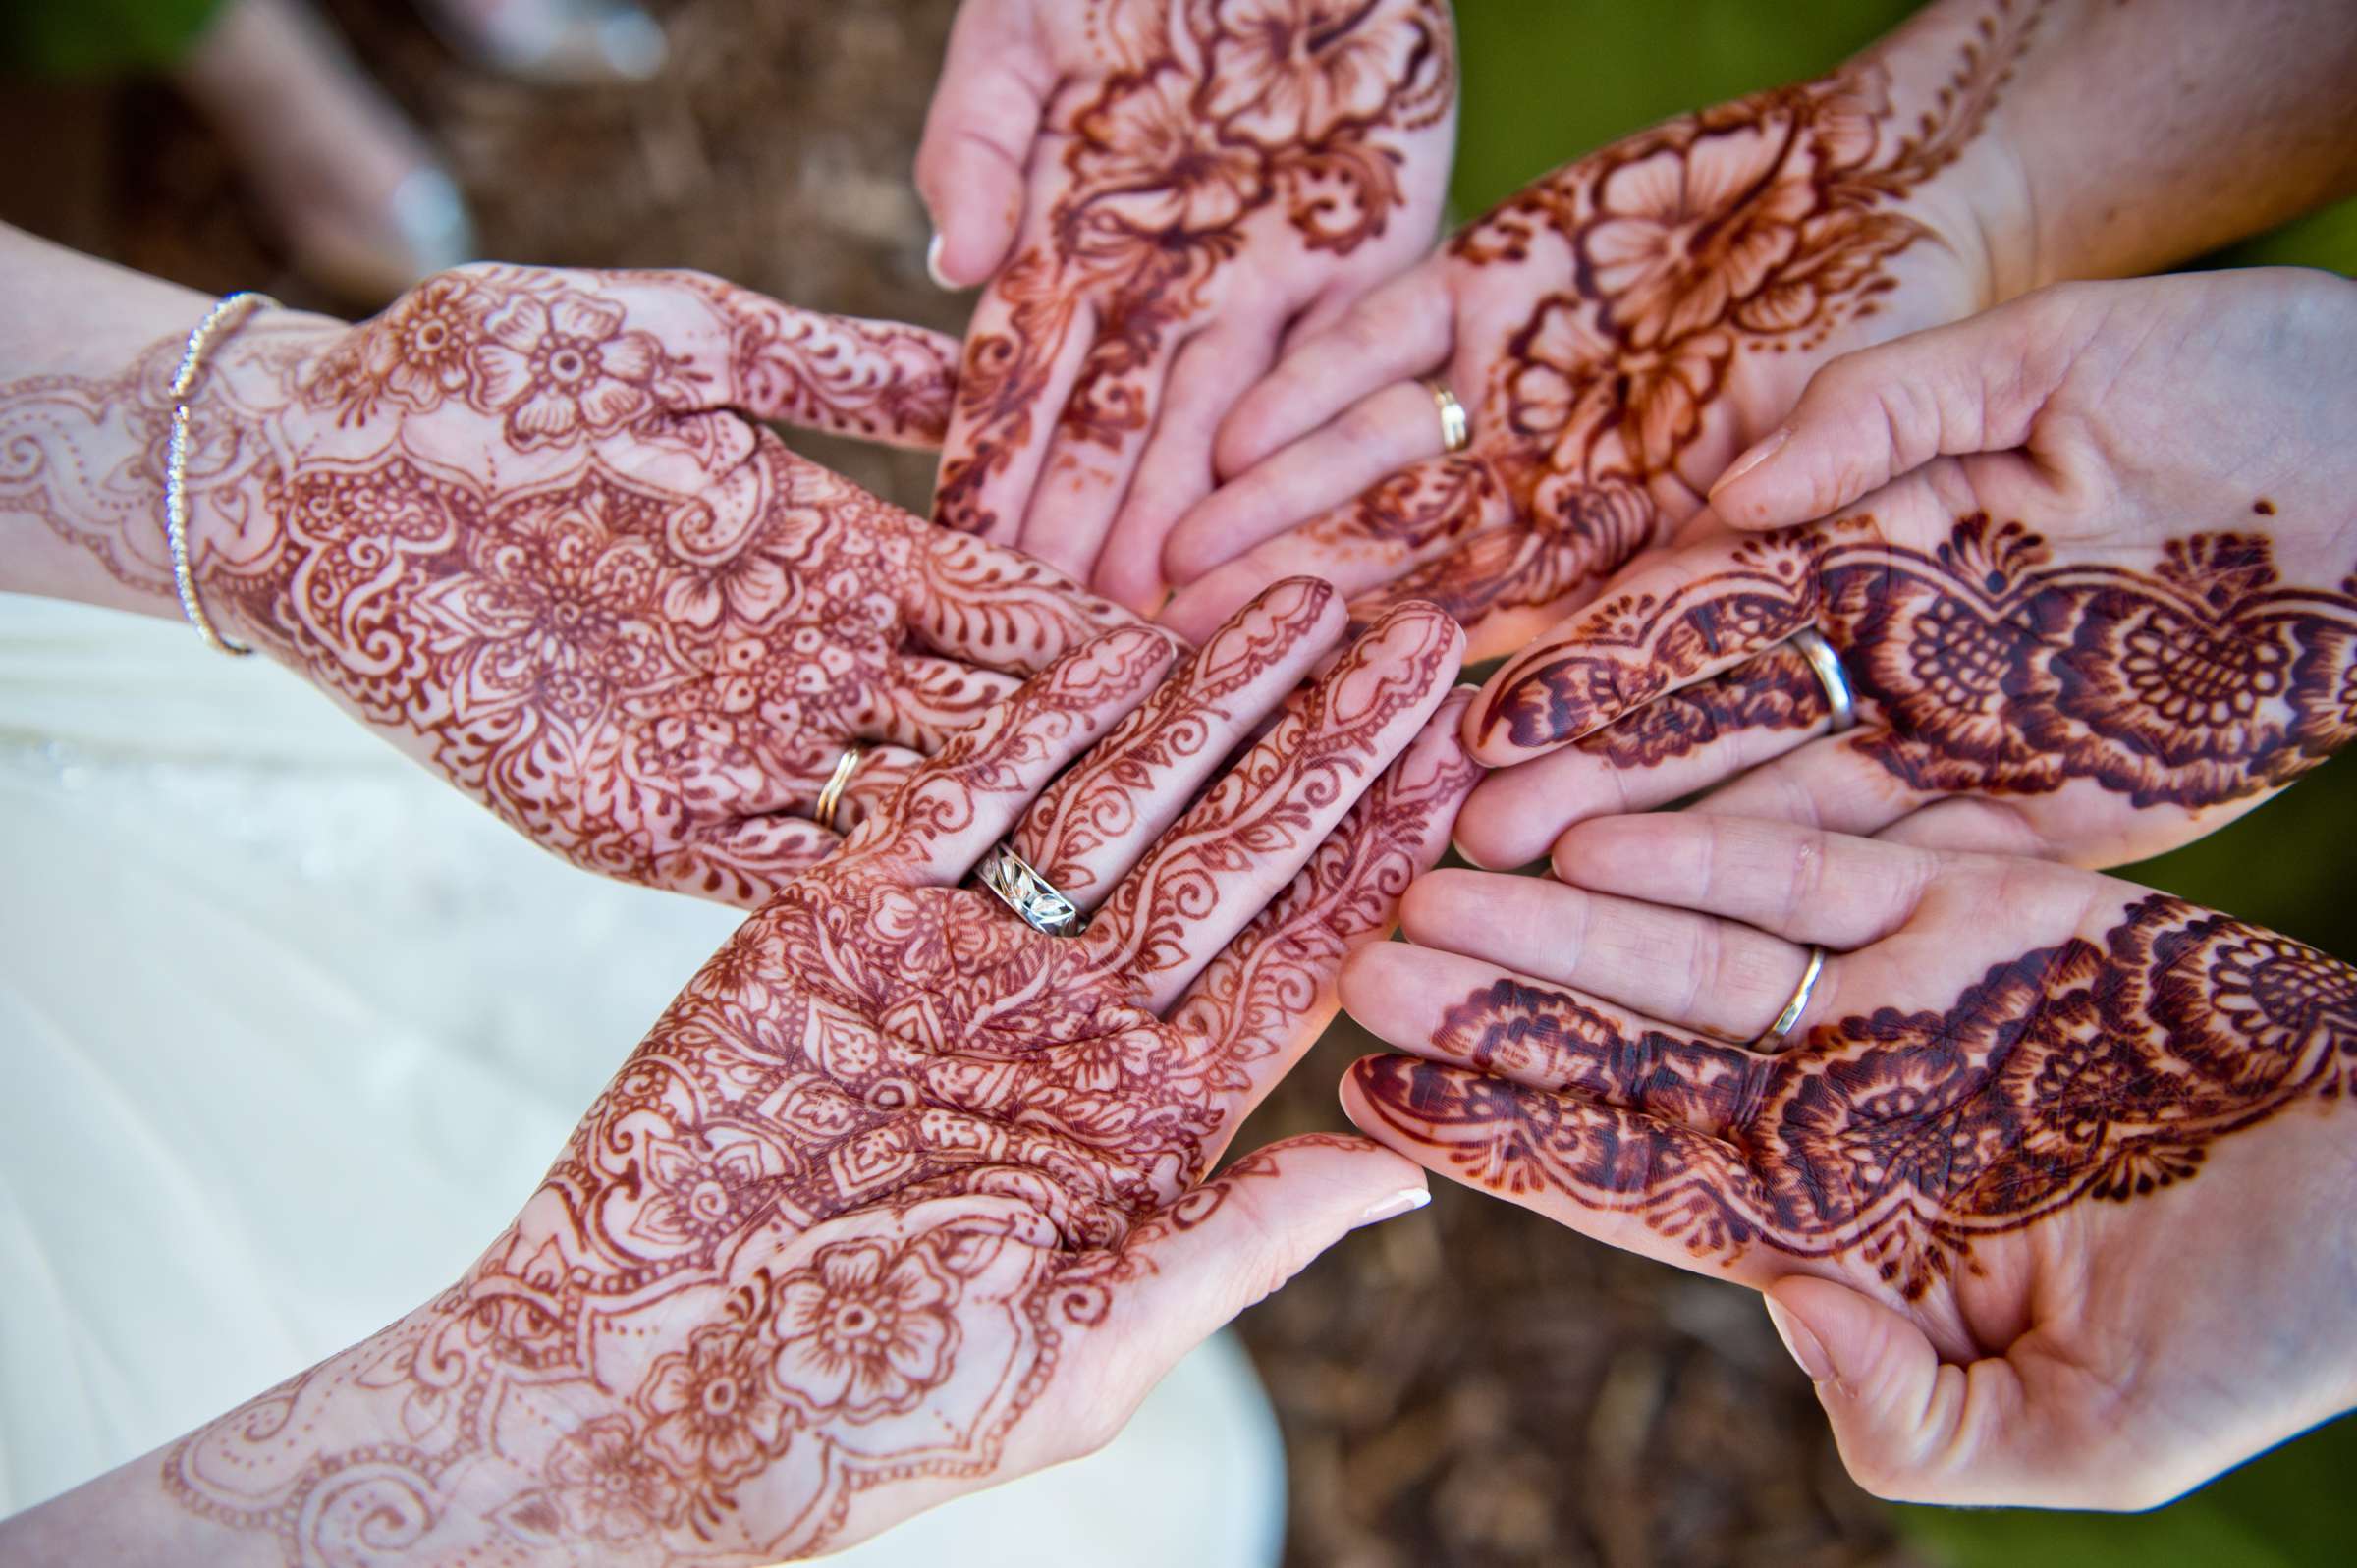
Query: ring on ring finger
<point>1825,662</point>
<point>1778,1036</point>
<point>1456,431</point>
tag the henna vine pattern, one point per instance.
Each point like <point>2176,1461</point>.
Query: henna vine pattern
<point>515,523</point>
<point>1194,131</point>
<point>845,1218</point>
<point>1659,272</point>
<point>2094,1071</point>
<point>1982,665</point>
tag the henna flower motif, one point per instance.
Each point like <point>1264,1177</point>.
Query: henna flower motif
<point>716,1418</point>
<point>424,346</point>
<point>608,1486</point>
<point>2174,703</point>
<point>558,614</point>
<point>1288,72</point>
<point>706,1183</point>
<point>866,1331</point>
<point>564,367</point>
<point>1686,232</point>
<point>1160,168</point>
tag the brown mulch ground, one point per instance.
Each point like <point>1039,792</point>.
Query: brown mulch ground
<point>1469,1386</point>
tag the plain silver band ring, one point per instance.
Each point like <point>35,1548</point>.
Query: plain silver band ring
<point>1841,703</point>
<point>1457,432</point>
<point>830,795</point>
<point>1022,889</point>
<point>1777,1038</point>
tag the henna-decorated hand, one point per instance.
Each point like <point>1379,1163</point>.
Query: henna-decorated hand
<point>1165,188</point>
<point>2092,574</point>
<point>1617,333</point>
<point>902,1197</point>
<point>522,524</point>
<point>2050,1200</point>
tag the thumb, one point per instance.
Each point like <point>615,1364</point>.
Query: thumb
<point>1872,415</point>
<point>1910,1428</point>
<point>995,83</point>
<point>1236,1239</point>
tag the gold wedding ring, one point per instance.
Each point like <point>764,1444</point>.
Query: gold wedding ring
<point>1841,703</point>
<point>1778,1036</point>
<point>1022,889</point>
<point>830,798</point>
<point>1456,433</point>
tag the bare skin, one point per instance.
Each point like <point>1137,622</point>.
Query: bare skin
<point>2045,1194</point>
<point>901,1198</point>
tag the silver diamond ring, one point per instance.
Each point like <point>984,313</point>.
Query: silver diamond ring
<point>1029,894</point>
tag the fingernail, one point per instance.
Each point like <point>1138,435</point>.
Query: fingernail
<point>932,267</point>
<point>1800,1341</point>
<point>1751,459</point>
<point>1406,1200</point>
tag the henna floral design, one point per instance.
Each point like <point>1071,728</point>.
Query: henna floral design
<point>1190,136</point>
<point>1983,665</point>
<point>2089,1071</point>
<point>845,1218</point>
<point>1659,289</point>
<point>514,523</point>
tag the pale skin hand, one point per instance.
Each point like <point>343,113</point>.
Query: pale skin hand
<point>901,1198</point>
<point>1621,329</point>
<point>2089,568</point>
<point>1161,196</point>
<point>524,525</point>
<point>2047,1197</point>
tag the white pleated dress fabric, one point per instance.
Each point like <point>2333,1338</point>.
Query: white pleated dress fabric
<point>291,1029</point>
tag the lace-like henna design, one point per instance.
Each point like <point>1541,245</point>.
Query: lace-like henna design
<point>1985,665</point>
<point>1095,808</point>
<point>841,1220</point>
<point>1758,228</point>
<point>500,523</point>
<point>2087,1073</point>
<point>1205,128</point>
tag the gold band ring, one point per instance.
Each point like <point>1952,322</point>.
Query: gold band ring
<point>1841,703</point>
<point>830,796</point>
<point>1778,1036</point>
<point>1456,433</point>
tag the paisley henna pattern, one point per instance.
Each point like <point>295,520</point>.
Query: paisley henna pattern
<point>514,523</point>
<point>1711,260</point>
<point>1191,133</point>
<point>2086,1072</point>
<point>845,1218</point>
<point>1984,665</point>
<point>1093,812</point>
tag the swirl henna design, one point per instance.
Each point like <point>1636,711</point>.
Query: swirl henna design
<point>519,525</point>
<point>1982,666</point>
<point>1200,162</point>
<point>2090,1072</point>
<point>1626,324</point>
<point>900,1197</point>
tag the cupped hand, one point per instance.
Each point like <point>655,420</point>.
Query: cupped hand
<point>1160,194</point>
<point>903,1196</point>
<point>2049,1198</point>
<point>1616,332</point>
<point>2091,572</point>
<point>523,524</point>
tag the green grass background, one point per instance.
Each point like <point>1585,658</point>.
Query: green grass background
<point>1546,79</point>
